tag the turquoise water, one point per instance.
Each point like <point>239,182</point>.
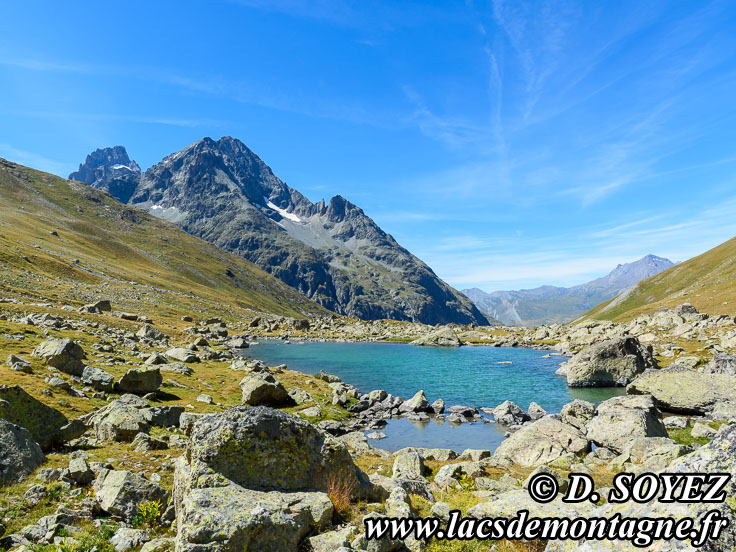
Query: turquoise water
<point>470,376</point>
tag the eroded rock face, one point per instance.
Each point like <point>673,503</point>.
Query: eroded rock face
<point>621,419</point>
<point>679,389</point>
<point>19,453</point>
<point>542,442</point>
<point>265,449</point>
<point>612,363</point>
<point>62,354</point>
<point>48,426</point>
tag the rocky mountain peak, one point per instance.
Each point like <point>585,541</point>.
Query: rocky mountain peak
<point>111,170</point>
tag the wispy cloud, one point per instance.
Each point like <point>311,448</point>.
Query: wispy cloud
<point>35,160</point>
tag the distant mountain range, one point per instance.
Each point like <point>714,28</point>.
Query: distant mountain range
<point>707,281</point>
<point>332,252</point>
<point>550,304</point>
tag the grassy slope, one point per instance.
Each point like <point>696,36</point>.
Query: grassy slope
<point>104,248</point>
<point>708,281</point>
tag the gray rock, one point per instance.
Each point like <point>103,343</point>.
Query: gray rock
<point>156,359</point>
<point>18,364</point>
<point>264,389</point>
<point>578,413</point>
<point>418,403</point>
<point>509,413</point>
<point>182,355</point>
<point>149,332</point>
<point>159,545</point>
<point>230,517</point>
<point>329,378</point>
<point>119,421</point>
<point>140,381</point>
<point>536,412</point>
<point>408,465</point>
<point>80,472</point>
<point>98,379</point>
<point>687,391</point>
<point>703,430</point>
<point>119,493</point>
<point>721,364</point>
<point>19,453</point>
<point>331,540</point>
<point>438,406</point>
<point>48,426</point>
<point>615,362</point>
<point>126,538</point>
<point>476,454</point>
<point>621,419</point>
<point>62,354</point>
<point>542,442</point>
<point>718,456</point>
<point>265,449</point>
<point>444,337</point>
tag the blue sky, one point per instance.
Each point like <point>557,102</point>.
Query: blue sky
<point>507,144</point>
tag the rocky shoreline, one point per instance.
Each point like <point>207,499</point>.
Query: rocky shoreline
<point>160,437</point>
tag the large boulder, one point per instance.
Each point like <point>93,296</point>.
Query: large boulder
<point>718,456</point>
<point>408,465</point>
<point>256,479</point>
<point>121,420</point>
<point>262,389</point>
<point>62,354</point>
<point>48,426</point>
<point>509,413</point>
<point>542,442</point>
<point>678,389</point>
<point>444,337</point>
<point>121,492</point>
<point>230,517</point>
<point>182,355</point>
<point>621,419</point>
<point>19,453</point>
<point>418,403</point>
<point>149,332</point>
<point>612,363</point>
<point>265,449</point>
<point>98,379</point>
<point>140,381</point>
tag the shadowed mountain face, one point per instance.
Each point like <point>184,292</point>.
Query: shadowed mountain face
<point>549,304</point>
<point>111,170</point>
<point>332,252</point>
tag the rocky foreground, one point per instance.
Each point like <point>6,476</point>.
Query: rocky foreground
<point>122,431</point>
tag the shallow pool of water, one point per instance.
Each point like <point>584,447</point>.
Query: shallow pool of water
<point>471,376</point>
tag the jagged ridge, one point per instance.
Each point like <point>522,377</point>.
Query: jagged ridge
<point>332,252</point>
